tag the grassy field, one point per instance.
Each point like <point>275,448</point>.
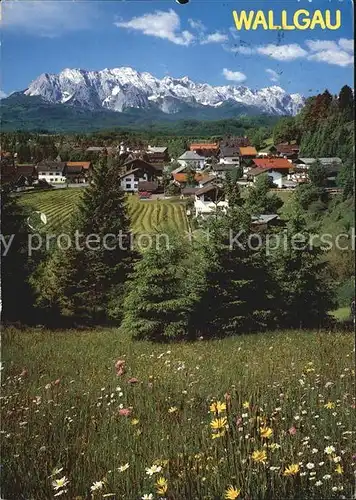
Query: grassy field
<point>146,216</point>
<point>342,314</point>
<point>285,428</point>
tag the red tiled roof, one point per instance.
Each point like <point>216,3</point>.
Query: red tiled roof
<point>84,164</point>
<point>248,151</point>
<point>183,177</point>
<point>272,163</point>
<point>201,145</point>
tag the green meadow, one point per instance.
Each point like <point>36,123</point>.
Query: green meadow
<point>269,416</point>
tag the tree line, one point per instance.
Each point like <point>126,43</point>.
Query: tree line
<point>185,289</point>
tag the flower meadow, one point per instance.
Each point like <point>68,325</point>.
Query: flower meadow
<point>92,415</point>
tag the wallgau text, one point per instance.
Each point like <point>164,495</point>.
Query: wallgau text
<point>302,19</point>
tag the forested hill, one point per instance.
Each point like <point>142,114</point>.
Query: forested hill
<point>324,127</point>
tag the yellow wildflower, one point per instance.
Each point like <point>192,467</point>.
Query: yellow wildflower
<point>217,407</point>
<point>339,469</point>
<point>135,421</point>
<point>246,405</point>
<point>231,493</point>
<point>161,486</point>
<point>218,423</point>
<point>329,405</point>
<point>259,456</point>
<point>266,432</point>
<point>291,470</point>
<point>172,409</point>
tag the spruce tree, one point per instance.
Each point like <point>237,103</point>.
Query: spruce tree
<point>159,300</point>
<point>236,296</point>
<point>305,290</point>
<point>87,280</point>
<point>16,293</point>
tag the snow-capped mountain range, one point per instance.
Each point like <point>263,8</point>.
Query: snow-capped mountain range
<point>120,89</point>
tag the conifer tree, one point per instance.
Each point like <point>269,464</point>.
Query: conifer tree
<point>236,296</point>
<point>16,293</point>
<point>159,299</point>
<point>305,290</point>
<point>86,281</point>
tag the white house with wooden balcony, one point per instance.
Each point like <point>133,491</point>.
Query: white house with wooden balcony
<point>209,200</point>
<point>53,172</point>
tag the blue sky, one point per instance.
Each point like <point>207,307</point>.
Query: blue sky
<point>198,39</point>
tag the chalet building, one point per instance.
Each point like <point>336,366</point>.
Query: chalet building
<point>156,170</point>
<point>277,169</point>
<point>332,165</point>
<point>26,175</point>
<point>141,171</point>
<point>157,155</point>
<point>78,172</point>
<point>221,169</point>
<point>264,221</point>
<point>247,153</point>
<point>208,200</point>
<point>207,150</point>
<point>53,172</point>
<point>75,174</point>
<point>230,155</point>
<point>180,178</point>
<point>289,151</point>
<point>192,160</point>
<point>147,188</point>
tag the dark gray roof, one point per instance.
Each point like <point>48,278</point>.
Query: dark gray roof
<point>229,151</point>
<point>264,218</point>
<point>51,166</point>
<point>190,155</point>
<point>208,188</point>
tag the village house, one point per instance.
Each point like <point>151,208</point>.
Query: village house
<point>230,149</point>
<point>209,200</point>
<point>287,150</point>
<point>192,160</point>
<point>246,155</point>
<point>138,171</point>
<point>157,155</point>
<point>53,172</point>
<point>230,155</point>
<point>332,165</point>
<point>78,172</point>
<point>263,221</point>
<point>26,175</point>
<point>180,179</point>
<point>277,169</point>
<point>207,150</point>
<point>147,188</point>
<point>220,169</point>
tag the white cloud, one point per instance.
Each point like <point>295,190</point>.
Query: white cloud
<point>196,25</point>
<point>347,44</point>
<point>214,38</point>
<point>234,76</point>
<point>273,75</point>
<point>160,24</point>
<point>318,45</point>
<point>282,52</point>
<point>337,57</point>
<point>48,19</point>
<point>242,49</point>
<point>2,94</point>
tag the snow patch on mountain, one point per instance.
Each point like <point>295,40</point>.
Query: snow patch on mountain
<point>119,89</point>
